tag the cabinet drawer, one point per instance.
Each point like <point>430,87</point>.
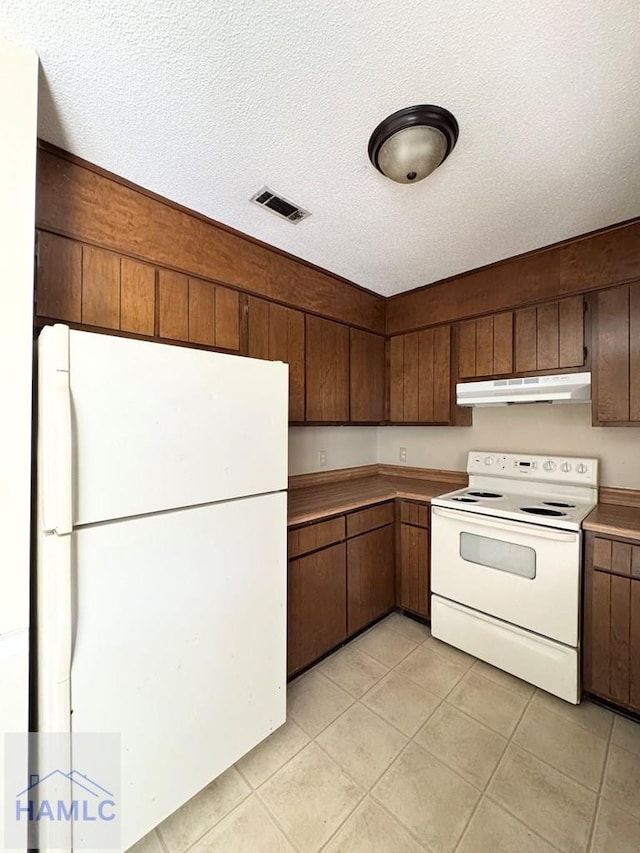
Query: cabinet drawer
<point>369,519</point>
<point>414,513</point>
<point>316,535</point>
<point>619,558</point>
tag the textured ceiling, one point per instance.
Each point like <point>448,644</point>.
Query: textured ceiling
<point>204,101</point>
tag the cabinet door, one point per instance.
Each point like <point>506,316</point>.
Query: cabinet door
<point>277,333</point>
<point>366,376</point>
<point>616,365</point>
<point>611,666</point>
<point>550,336</point>
<point>327,370</point>
<point>58,278</point>
<point>413,587</point>
<point>137,297</point>
<point>485,346</point>
<point>420,377</point>
<point>370,577</point>
<point>317,605</point>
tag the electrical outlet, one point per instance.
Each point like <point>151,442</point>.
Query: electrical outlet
<point>322,458</point>
<point>403,454</point>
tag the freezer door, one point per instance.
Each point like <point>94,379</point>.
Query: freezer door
<point>156,427</point>
<point>180,646</point>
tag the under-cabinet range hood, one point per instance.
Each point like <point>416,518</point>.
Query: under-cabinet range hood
<point>559,388</point>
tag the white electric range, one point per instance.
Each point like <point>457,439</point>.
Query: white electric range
<point>506,565</point>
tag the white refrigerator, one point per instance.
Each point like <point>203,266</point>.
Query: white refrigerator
<point>161,559</point>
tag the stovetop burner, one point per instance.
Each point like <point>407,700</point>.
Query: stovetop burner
<point>560,504</point>
<point>466,500</point>
<point>485,494</point>
<point>542,510</point>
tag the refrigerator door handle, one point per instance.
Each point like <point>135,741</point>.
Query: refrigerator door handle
<point>55,429</point>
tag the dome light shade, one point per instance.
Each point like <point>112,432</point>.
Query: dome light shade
<point>409,144</point>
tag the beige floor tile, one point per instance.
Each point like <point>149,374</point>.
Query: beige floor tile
<point>370,829</point>
<point>149,844</point>
<point>203,811</point>
<point>247,829</point>
<point>488,702</point>
<point>431,671</point>
<point>552,804</point>
<point>569,748</point>
<point>432,801</point>
<point>493,830</point>
<point>310,797</point>
<point>353,670</point>
<point>409,628</point>
<point>314,701</point>
<point>449,652</point>
<point>587,714</point>
<point>626,733</point>
<point>362,743</point>
<point>385,645</point>
<point>622,780</point>
<point>401,702</point>
<point>272,753</point>
<point>615,831</point>
<point>462,743</point>
<point>504,679</point>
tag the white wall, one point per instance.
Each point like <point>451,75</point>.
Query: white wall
<point>345,447</point>
<point>539,428</point>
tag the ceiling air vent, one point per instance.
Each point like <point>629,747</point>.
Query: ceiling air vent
<point>280,205</point>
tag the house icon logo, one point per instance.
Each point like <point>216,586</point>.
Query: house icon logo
<point>61,797</point>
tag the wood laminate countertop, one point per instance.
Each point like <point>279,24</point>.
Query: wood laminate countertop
<point>313,502</point>
<point>614,520</point>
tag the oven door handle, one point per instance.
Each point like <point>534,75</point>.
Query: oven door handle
<point>503,525</point>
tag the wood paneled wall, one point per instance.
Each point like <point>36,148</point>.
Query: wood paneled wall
<point>78,200</point>
<point>591,262</point>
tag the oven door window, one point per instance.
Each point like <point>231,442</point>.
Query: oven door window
<point>497,554</point>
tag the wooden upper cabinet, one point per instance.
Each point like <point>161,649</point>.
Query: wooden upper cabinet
<point>485,346</point>
<point>616,356</point>
<point>277,333</point>
<point>100,288</point>
<point>327,370</point>
<point>173,306</point>
<point>59,278</point>
<point>366,376</point>
<point>198,312</point>
<point>137,297</point>
<point>420,377</point>
<point>550,336</point>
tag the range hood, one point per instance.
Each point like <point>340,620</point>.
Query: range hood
<point>559,388</point>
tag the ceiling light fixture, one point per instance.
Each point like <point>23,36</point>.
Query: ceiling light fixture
<point>411,143</point>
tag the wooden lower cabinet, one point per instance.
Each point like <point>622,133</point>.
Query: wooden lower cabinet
<point>412,587</point>
<point>370,577</point>
<point>611,633</point>
<point>317,605</point>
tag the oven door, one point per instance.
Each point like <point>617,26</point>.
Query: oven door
<point>518,572</point>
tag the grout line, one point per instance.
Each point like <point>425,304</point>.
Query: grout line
<point>603,772</point>
<point>277,822</point>
<point>495,770</point>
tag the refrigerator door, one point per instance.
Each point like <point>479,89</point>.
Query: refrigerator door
<point>158,427</point>
<point>180,646</point>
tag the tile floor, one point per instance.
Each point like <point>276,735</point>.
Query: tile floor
<point>401,744</point>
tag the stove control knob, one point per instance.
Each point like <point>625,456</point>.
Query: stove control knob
<point>549,465</point>
<point>566,467</point>
<point>581,468</point>
<point>488,460</point>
